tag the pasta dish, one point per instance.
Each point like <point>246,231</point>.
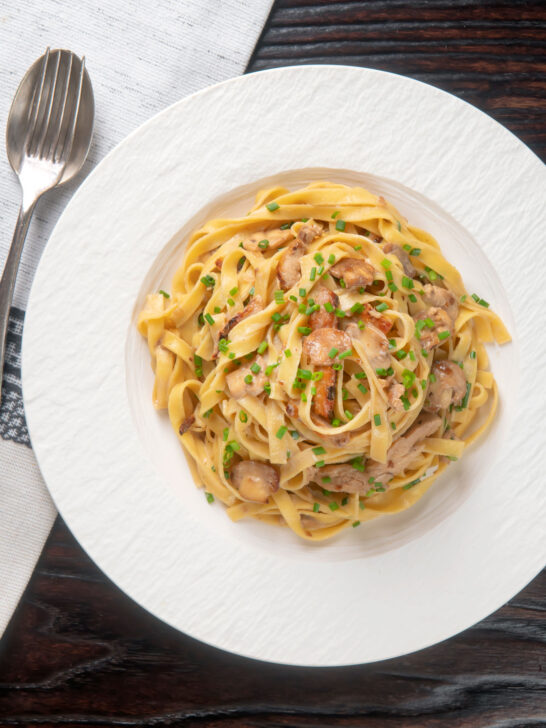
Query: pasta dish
<point>320,360</point>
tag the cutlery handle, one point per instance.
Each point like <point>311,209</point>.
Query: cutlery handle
<point>9,275</point>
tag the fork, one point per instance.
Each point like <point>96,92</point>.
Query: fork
<point>48,136</point>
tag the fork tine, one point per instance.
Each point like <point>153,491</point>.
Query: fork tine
<point>39,147</point>
<point>66,149</point>
<point>36,100</point>
<point>56,128</point>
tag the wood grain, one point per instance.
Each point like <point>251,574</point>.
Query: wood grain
<point>78,651</point>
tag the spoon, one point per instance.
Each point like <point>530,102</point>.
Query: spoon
<point>49,130</point>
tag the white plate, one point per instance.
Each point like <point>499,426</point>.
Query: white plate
<point>114,468</point>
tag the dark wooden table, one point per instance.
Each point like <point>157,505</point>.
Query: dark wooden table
<point>78,651</point>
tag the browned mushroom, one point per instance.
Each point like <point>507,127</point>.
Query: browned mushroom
<point>448,388</point>
<point>254,384</point>
<point>320,344</point>
<point>275,239</point>
<point>254,306</point>
<point>289,268</point>
<point>325,398</point>
<point>355,272</point>
<point>186,424</point>
<point>429,336</point>
<point>255,481</point>
<point>441,298</point>
<point>321,318</point>
<point>309,231</point>
<point>291,409</point>
<point>371,316</point>
<point>403,257</point>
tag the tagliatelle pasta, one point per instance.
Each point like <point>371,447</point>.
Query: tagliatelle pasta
<point>320,359</point>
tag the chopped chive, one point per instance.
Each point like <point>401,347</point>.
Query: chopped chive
<point>357,308</point>
<point>472,354</point>
<point>209,319</point>
<point>407,282</point>
<point>443,335</point>
<point>386,263</point>
<point>381,307</point>
<point>318,258</point>
<point>252,291</point>
<point>305,374</point>
<point>326,492</point>
<point>249,379</point>
<point>377,420</point>
<point>317,376</point>
<point>429,322</point>
<point>232,356</point>
<point>335,214</point>
<point>405,402</point>
<point>269,369</point>
<point>361,375</point>
<point>408,378</point>
<point>293,298</point>
<point>208,281</point>
<point>333,352</point>
<point>336,422</point>
<point>423,383</point>
<point>319,450</point>
<point>393,425</point>
<point>201,320</point>
<point>370,492</point>
<point>401,354</point>
<point>357,464</point>
<point>398,225</point>
<point>412,297</point>
<point>210,497</point>
<point>294,434</point>
<point>463,298</point>
<point>348,415</point>
<point>431,378</point>
<point>381,372</point>
<point>415,251</point>
<point>286,226</point>
<point>304,219</point>
<point>262,348</point>
<point>345,500</point>
<point>361,324</point>
<point>287,353</point>
<point>316,507</point>
<point>328,307</point>
<point>358,247</point>
<point>320,270</point>
<point>303,397</point>
<point>320,464</point>
<point>410,485</point>
<point>424,352</point>
<point>326,479</point>
<point>303,292</point>
<point>243,416</point>
<point>304,330</point>
<point>331,259</point>
<point>267,388</point>
<point>412,355</point>
<point>464,403</point>
<point>337,367</point>
<point>263,244</point>
<point>302,308</point>
<point>340,225</point>
<point>231,303</point>
<point>356,523</point>
<point>361,505</point>
<point>281,432</point>
<point>333,506</point>
<point>234,291</point>
<point>388,275</point>
<point>272,206</point>
<point>340,313</point>
<point>276,316</point>
<point>393,287</point>
<point>279,297</point>
<point>313,274</point>
<point>256,368</point>
<point>225,434</point>
<point>164,293</point>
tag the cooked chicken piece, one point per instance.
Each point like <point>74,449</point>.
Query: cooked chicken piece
<point>325,398</point>
<point>403,257</point>
<point>321,318</point>
<point>255,481</point>
<point>355,272</point>
<point>449,387</point>
<point>400,455</point>
<point>441,298</point>
<point>428,337</point>
<point>185,426</point>
<point>371,316</point>
<point>376,345</point>
<point>275,238</point>
<point>255,305</point>
<point>237,386</point>
<point>309,231</point>
<point>320,343</point>
<point>394,390</point>
<point>289,268</point>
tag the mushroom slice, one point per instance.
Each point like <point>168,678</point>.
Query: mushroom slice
<point>321,343</point>
<point>441,298</point>
<point>371,316</point>
<point>186,424</point>
<point>275,238</point>
<point>309,231</point>
<point>321,318</point>
<point>325,399</point>
<point>355,272</point>
<point>289,268</point>
<point>255,481</point>
<point>394,390</point>
<point>239,387</point>
<point>403,257</point>
<point>448,388</point>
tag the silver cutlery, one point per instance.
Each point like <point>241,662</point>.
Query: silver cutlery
<point>48,136</point>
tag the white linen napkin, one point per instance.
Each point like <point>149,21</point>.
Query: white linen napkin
<point>141,57</point>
